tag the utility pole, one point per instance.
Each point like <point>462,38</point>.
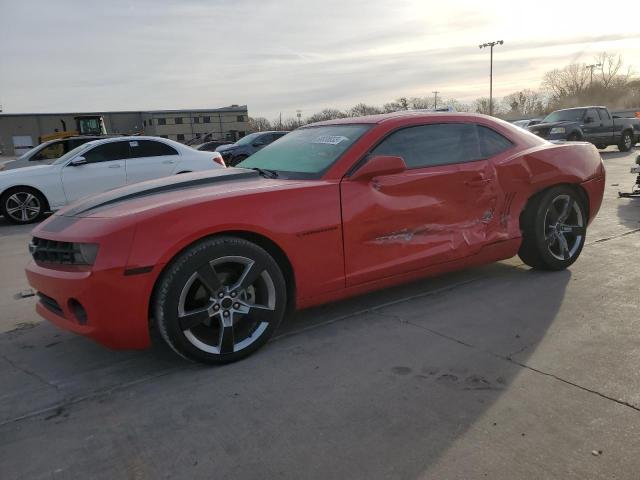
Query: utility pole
<point>435,99</point>
<point>491,45</point>
<point>280,120</point>
<point>591,67</point>
<point>299,115</point>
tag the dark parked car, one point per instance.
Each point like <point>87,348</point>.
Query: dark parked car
<point>590,124</point>
<point>247,146</point>
<point>48,152</point>
<point>211,146</point>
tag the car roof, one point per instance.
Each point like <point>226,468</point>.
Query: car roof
<point>133,138</point>
<point>580,108</point>
<point>409,114</point>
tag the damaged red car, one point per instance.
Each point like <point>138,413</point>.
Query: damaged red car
<point>214,261</point>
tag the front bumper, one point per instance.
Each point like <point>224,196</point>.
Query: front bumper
<point>114,306</point>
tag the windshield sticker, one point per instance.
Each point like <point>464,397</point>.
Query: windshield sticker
<point>133,144</point>
<point>330,139</point>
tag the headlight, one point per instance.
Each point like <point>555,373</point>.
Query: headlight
<point>52,251</point>
<point>86,253</point>
<point>557,130</point>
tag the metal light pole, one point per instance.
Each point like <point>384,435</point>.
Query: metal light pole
<point>484,45</point>
<point>591,67</point>
<point>299,115</point>
<point>435,99</point>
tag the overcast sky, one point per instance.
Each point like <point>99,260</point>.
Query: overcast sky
<point>283,55</point>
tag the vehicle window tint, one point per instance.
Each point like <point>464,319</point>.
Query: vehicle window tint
<point>149,148</point>
<point>436,144</point>
<point>491,142</point>
<point>107,152</point>
<point>51,152</point>
<point>604,115</point>
<point>267,139</point>
<point>593,113</point>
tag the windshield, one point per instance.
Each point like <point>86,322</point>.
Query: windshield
<point>307,152</point>
<point>574,115</point>
<point>246,140</point>
<point>72,153</point>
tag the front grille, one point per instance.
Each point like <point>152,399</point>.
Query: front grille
<point>52,251</point>
<point>50,304</point>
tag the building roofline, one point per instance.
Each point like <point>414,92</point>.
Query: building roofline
<point>232,108</point>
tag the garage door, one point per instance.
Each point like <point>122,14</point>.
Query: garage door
<point>21,144</point>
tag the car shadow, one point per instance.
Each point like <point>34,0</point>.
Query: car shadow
<point>338,368</point>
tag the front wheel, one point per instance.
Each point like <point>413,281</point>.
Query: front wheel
<point>220,300</point>
<point>553,229</point>
<point>626,142</point>
<point>22,205</point>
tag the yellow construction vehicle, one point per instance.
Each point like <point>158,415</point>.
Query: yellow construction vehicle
<point>85,125</point>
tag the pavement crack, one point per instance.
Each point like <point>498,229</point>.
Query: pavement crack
<point>613,237</point>
<point>509,358</point>
<point>26,371</point>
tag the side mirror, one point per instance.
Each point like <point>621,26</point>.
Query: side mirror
<point>379,165</point>
<point>76,162</point>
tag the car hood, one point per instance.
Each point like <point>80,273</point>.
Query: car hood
<point>169,192</point>
<point>12,173</point>
<point>23,163</point>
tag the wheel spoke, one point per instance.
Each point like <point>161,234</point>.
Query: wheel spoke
<point>24,215</point>
<point>226,336</point>
<point>193,319</point>
<point>259,313</point>
<point>28,199</point>
<point>209,278</point>
<point>566,210</point>
<point>250,274</point>
<point>12,210</point>
<point>574,229</point>
<point>564,246</point>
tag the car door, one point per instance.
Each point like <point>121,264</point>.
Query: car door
<point>435,211</point>
<point>592,126</point>
<point>104,169</point>
<point>606,132</point>
<point>149,159</point>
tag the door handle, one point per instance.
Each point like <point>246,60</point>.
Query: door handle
<point>114,166</point>
<point>169,162</point>
<point>477,182</point>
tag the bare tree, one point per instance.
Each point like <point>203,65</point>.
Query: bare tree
<point>363,109</point>
<point>398,104</point>
<point>524,103</point>
<point>326,114</point>
<point>571,80</point>
<point>610,69</point>
<point>259,124</point>
<point>481,105</point>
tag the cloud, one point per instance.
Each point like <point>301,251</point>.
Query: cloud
<point>280,55</point>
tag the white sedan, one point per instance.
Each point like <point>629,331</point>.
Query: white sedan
<point>27,193</point>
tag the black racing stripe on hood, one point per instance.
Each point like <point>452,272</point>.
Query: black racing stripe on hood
<point>154,187</point>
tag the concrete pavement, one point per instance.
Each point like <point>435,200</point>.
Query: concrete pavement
<point>495,372</point>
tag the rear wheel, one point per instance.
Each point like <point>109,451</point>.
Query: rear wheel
<point>553,229</point>
<point>626,142</point>
<point>220,300</point>
<point>23,205</point>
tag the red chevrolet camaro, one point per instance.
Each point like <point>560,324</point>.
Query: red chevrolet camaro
<point>215,260</point>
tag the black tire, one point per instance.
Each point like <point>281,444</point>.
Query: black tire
<point>34,203</point>
<point>236,160</point>
<point>574,137</point>
<point>544,228</point>
<point>212,278</point>
<point>601,147</point>
<point>626,141</point>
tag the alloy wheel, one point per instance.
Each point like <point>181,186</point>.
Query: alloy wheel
<point>564,227</point>
<point>23,206</point>
<point>227,304</point>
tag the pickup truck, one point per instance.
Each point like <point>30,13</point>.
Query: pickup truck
<point>590,124</point>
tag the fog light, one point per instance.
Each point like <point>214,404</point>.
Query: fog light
<point>78,311</point>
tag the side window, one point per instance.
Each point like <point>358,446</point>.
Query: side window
<point>149,148</point>
<point>267,139</point>
<point>107,152</point>
<point>593,113</point>
<point>435,144</point>
<point>51,152</point>
<point>491,142</point>
<point>604,115</point>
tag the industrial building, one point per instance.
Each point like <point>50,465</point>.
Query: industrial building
<point>21,131</point>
